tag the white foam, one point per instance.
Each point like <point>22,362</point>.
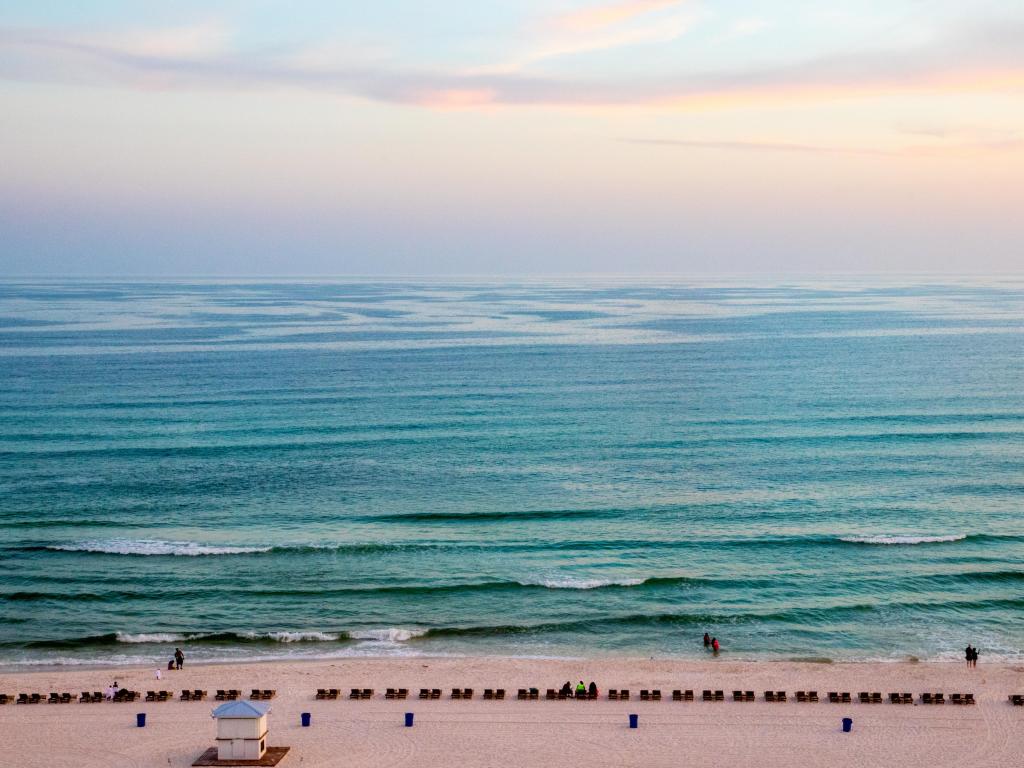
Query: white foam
<point>295,637</point>
<point>389,635</point>
<point>902,539</point>
<point>152,547</point>
<point>571,582</point>
<point>155,637</point>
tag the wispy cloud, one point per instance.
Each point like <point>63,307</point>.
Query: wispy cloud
<point>1007,142</point>
<point>599,28</point>
<point>986,58</point>
<point>601,16</point>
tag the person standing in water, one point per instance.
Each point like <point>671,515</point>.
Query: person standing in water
<point>179,658</point>
<point>714,645</point>
<point>974,657</point>
<point>969,655</point>
<point>707,639</point>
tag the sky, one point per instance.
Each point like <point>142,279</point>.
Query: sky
<point>256,137</point>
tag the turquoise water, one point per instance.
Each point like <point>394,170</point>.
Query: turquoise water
<point>260,468</point>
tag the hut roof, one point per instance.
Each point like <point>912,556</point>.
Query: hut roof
<point>241,709</point>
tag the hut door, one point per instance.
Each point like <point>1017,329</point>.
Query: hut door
<point>238,748</point>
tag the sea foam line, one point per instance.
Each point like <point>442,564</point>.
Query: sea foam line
<point>903,539</point>
<point>155,547</point>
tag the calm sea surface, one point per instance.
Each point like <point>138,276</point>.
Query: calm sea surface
<point>577,467</point>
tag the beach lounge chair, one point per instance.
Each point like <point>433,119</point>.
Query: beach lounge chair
<point>467,693</point>
<point>769,696</point>
<point>562,695</point>
<point>488,693</point>
<point>656,694</point>
<point>390,693</point>
<point>150,695</point>
<point>403,693</point>
<point>321,693</point>
<point>719,695</point>
<point>908,698</point>
<point>186,695</point>
<point>164,695</point>
<point>521,695</point>
<point>876,697</point>
<point>22,698</point>
<point>738,696</point>
<point>535,693</point>
<point>456,693</point>
<point>424,693</point>
<point>552,694</point>
<point>801,697</point>
<point>865,697</point>
<point>954,698</point>
<point>894,698</point>
<point>969,699</point>
<point>54,698</point>
<point>221,695</point>
<point>845,698</point>
<point>613,694</point>
<point>677,695</point>
<point>938,698</point>
<point>255,694</point>
<point>707,695</point>
<point>926,698</point>
<point>97,697</point>
<point>833,697</point>
<point>499,694</point>
<point>1017,699</point>
<point>355,693</point>
<point>4,698</point>
<point>435,693</point>
<point>645,695</point>
<point>624,694</point>
<point>780,697</point>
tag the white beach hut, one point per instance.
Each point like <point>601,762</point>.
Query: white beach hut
<point>241,730</point>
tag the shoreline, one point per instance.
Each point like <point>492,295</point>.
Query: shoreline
<point>18,668</point>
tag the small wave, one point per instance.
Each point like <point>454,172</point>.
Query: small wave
<point>153,637</point>
<point>903,539</point>
<point>155,547</point>
<point>389,635</point>
<point>572,582</point>
<point>296,637</point>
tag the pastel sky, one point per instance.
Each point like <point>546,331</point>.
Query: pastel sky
<point>256,137</point>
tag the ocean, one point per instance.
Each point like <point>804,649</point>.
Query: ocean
<point>805,468</point>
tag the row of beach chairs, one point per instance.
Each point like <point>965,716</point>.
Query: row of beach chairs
<point>231,694</point>
<point>773,697</point>
<point>265,694</point>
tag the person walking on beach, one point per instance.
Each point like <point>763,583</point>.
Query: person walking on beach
<point>707,639</point>
<point>179,658</point>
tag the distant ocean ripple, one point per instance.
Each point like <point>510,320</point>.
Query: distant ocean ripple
<point>263,469</point>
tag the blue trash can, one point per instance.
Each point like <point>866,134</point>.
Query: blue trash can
<point>306,717</point>
<point>847,724</point>
<point>408,719</point>
<point>140,720</point>
<point>634,721</point>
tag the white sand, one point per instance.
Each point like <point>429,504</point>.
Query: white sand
<point>530,733</point>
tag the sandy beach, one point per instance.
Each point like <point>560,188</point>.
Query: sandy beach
<point>533,733</point>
